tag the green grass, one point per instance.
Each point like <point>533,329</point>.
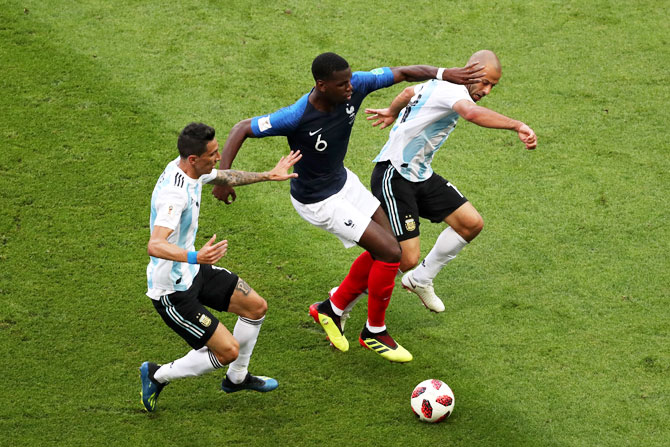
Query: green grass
<point>556,329</point>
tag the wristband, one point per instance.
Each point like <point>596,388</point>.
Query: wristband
<point>192,257</point>
<point>440,72</point>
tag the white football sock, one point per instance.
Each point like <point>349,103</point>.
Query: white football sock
<point>246,333</point>
<point>375,329</point>
<point>336,309</point>
<point>447,246</point>
<point>194,363</point>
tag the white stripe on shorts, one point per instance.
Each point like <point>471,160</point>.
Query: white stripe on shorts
<point>181,321</point>
<point>387,192</point>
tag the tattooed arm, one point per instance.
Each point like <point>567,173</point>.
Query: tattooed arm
<point>232,177</point>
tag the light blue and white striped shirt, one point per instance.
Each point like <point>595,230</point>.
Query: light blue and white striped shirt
<point>175,204</point>
<point>422,127</point>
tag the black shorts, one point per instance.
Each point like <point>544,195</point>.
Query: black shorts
<point>185,311</point>
<point>404,201</point>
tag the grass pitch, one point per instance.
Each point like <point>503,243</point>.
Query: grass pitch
<point>556,328</point>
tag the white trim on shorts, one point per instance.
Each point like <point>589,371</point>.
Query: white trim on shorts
<point>389,198</point>
<point>175,316</point>
<point>346,214</point>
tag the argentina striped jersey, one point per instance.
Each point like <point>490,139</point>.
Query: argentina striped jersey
<point>175,204</point>
<point>422,127</point>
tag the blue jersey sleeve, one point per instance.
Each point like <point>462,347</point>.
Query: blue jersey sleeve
<point>281,122</point>
<point>369,81</point>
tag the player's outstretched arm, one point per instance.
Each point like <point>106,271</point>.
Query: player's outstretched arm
<point>488,118</point>
<point>387,116</point>
<point>229,177</point>
<point>238,134</point>
<point>470,74</point>
<point>159,247</point>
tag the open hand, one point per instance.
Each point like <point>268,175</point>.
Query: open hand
<point>470,74</point>
<point>383,117</point>
<point>280,171</point>
<point>210,253</point>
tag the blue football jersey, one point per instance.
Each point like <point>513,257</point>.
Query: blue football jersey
<point>321,137</point>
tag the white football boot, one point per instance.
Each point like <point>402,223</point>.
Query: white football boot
<point>425,292</point>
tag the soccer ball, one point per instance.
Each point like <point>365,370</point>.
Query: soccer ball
<point>432,400</point>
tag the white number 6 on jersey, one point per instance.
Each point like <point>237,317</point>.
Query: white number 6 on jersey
<point>320,145</point>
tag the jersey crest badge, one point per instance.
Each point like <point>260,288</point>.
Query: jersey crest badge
<point>205,320</point>
<point>410,224</point>
<point>351,111</point>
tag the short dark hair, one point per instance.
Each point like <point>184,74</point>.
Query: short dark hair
<point>325,64</point>
<point>194,138</point>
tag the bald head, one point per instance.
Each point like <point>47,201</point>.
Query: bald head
<point>486,58</point>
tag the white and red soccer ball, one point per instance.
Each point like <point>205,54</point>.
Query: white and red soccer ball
<point>432,400</point>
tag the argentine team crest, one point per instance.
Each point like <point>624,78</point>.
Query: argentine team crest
<point>410,224</point>
<point>205,320</point>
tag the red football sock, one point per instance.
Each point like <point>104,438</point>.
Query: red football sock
<point>355,282</point>
<point>380,287</point>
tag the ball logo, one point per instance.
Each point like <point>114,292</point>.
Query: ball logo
<point>349,223</point>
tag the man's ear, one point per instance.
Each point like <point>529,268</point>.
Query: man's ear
<point>320,85</point>
<point>192,159</point>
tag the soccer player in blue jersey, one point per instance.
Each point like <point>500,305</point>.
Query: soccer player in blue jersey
<point>182,281</point>
<point>403,179</point>
<point>329,196</point>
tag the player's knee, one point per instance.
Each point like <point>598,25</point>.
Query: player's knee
<point>471,227</point>
<point>228,353</point>
<point>476,227</point>
<point>259,310</point>
<point>394,253</point>
<point>409,261</point>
